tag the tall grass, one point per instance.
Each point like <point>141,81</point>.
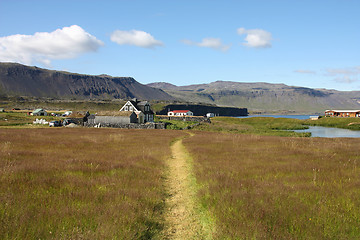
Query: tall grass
<point>260,187</point>
<point>257,125</point>
<point>82,183</point>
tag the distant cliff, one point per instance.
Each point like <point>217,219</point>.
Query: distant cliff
<point>21,80</point>
<point>264,97</point>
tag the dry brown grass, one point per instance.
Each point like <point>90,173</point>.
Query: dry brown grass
<point>82,183</point>
<point>279,188</point>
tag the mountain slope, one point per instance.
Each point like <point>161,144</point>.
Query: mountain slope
<point>265,96</point>
<point>21,80</point>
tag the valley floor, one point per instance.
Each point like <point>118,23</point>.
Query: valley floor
<point>156,184</point>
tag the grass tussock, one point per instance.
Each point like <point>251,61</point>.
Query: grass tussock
<point>260,187</point>
<point>82,183</point>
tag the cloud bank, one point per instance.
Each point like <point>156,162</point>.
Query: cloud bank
<point>42,47</point>
<point>344,75</point>
<point>214,43</point>
<point>305,71</point>
<point>136,38</point>
<point>256,38</point>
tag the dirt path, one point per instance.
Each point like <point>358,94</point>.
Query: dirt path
<point>185,219</point>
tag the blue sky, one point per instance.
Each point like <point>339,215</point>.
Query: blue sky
<point>301,43</point>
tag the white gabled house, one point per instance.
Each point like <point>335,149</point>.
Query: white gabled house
<point>141,108</point>
<point>180,113</point>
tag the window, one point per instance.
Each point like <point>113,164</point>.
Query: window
<point>126,108</point>
<point>130,108</point>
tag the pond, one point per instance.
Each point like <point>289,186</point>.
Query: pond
<point>327,132</point>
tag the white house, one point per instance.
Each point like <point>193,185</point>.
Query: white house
<point>180,113</point>
<point>141,108</point>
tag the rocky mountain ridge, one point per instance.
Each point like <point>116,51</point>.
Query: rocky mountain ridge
<point>21,80</point>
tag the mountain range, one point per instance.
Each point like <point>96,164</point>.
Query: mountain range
<point>264,97</point>
<point>21,80</point>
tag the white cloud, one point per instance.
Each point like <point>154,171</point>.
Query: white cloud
<point>214,43</point>
<point>136,38</point>
<point>346,79</point>
<point>256,38</point>
<point>68,42</point>
<point>344,75</point>
<point>305,71</point>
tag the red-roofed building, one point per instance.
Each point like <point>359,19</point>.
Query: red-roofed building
<point>180,113</point>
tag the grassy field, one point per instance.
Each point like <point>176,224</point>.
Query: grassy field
<point>260,187</point>
<point>177,124</point>
<point>338,122</point>
<point>256,125</point>
<point>20,118</point>
<point>88,183</point>
<point>82,183</point>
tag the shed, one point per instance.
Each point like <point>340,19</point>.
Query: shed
<point>77,117</point>
<point>39,112</point>
<point>107,117</point>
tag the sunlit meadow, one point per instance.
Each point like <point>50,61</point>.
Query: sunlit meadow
<point>260,187</point>
<point>82,183</point>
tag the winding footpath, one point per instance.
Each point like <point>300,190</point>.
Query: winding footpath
<point>184,216</point>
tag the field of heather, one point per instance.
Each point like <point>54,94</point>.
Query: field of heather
<point>82,183</point>
<point>262,187</point>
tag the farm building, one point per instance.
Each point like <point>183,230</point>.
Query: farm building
<point>342,113</point>
<point>77,118</point>
<point>39,112</point>
<point>180,113</point>
<point>142,110</point>
<point>113,118</point>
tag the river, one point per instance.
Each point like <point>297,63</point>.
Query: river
<point>317,131</point>
<point>328,132</point>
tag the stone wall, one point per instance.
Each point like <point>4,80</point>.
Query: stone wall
<point>184,118</point>
<point>128,125</point>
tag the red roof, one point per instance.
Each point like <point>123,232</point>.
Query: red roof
<point>180,111</point>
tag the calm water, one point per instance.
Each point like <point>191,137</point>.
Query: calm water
<point>280,116</point>
<point>327,132</point>
<point>316,131</point>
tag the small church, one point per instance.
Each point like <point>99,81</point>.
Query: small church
<point>141,108</point>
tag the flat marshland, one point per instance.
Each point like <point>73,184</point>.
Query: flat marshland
<point>82,183</point>
<point>262,187</point>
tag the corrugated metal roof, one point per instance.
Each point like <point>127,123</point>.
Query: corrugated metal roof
<point>38,110</point>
